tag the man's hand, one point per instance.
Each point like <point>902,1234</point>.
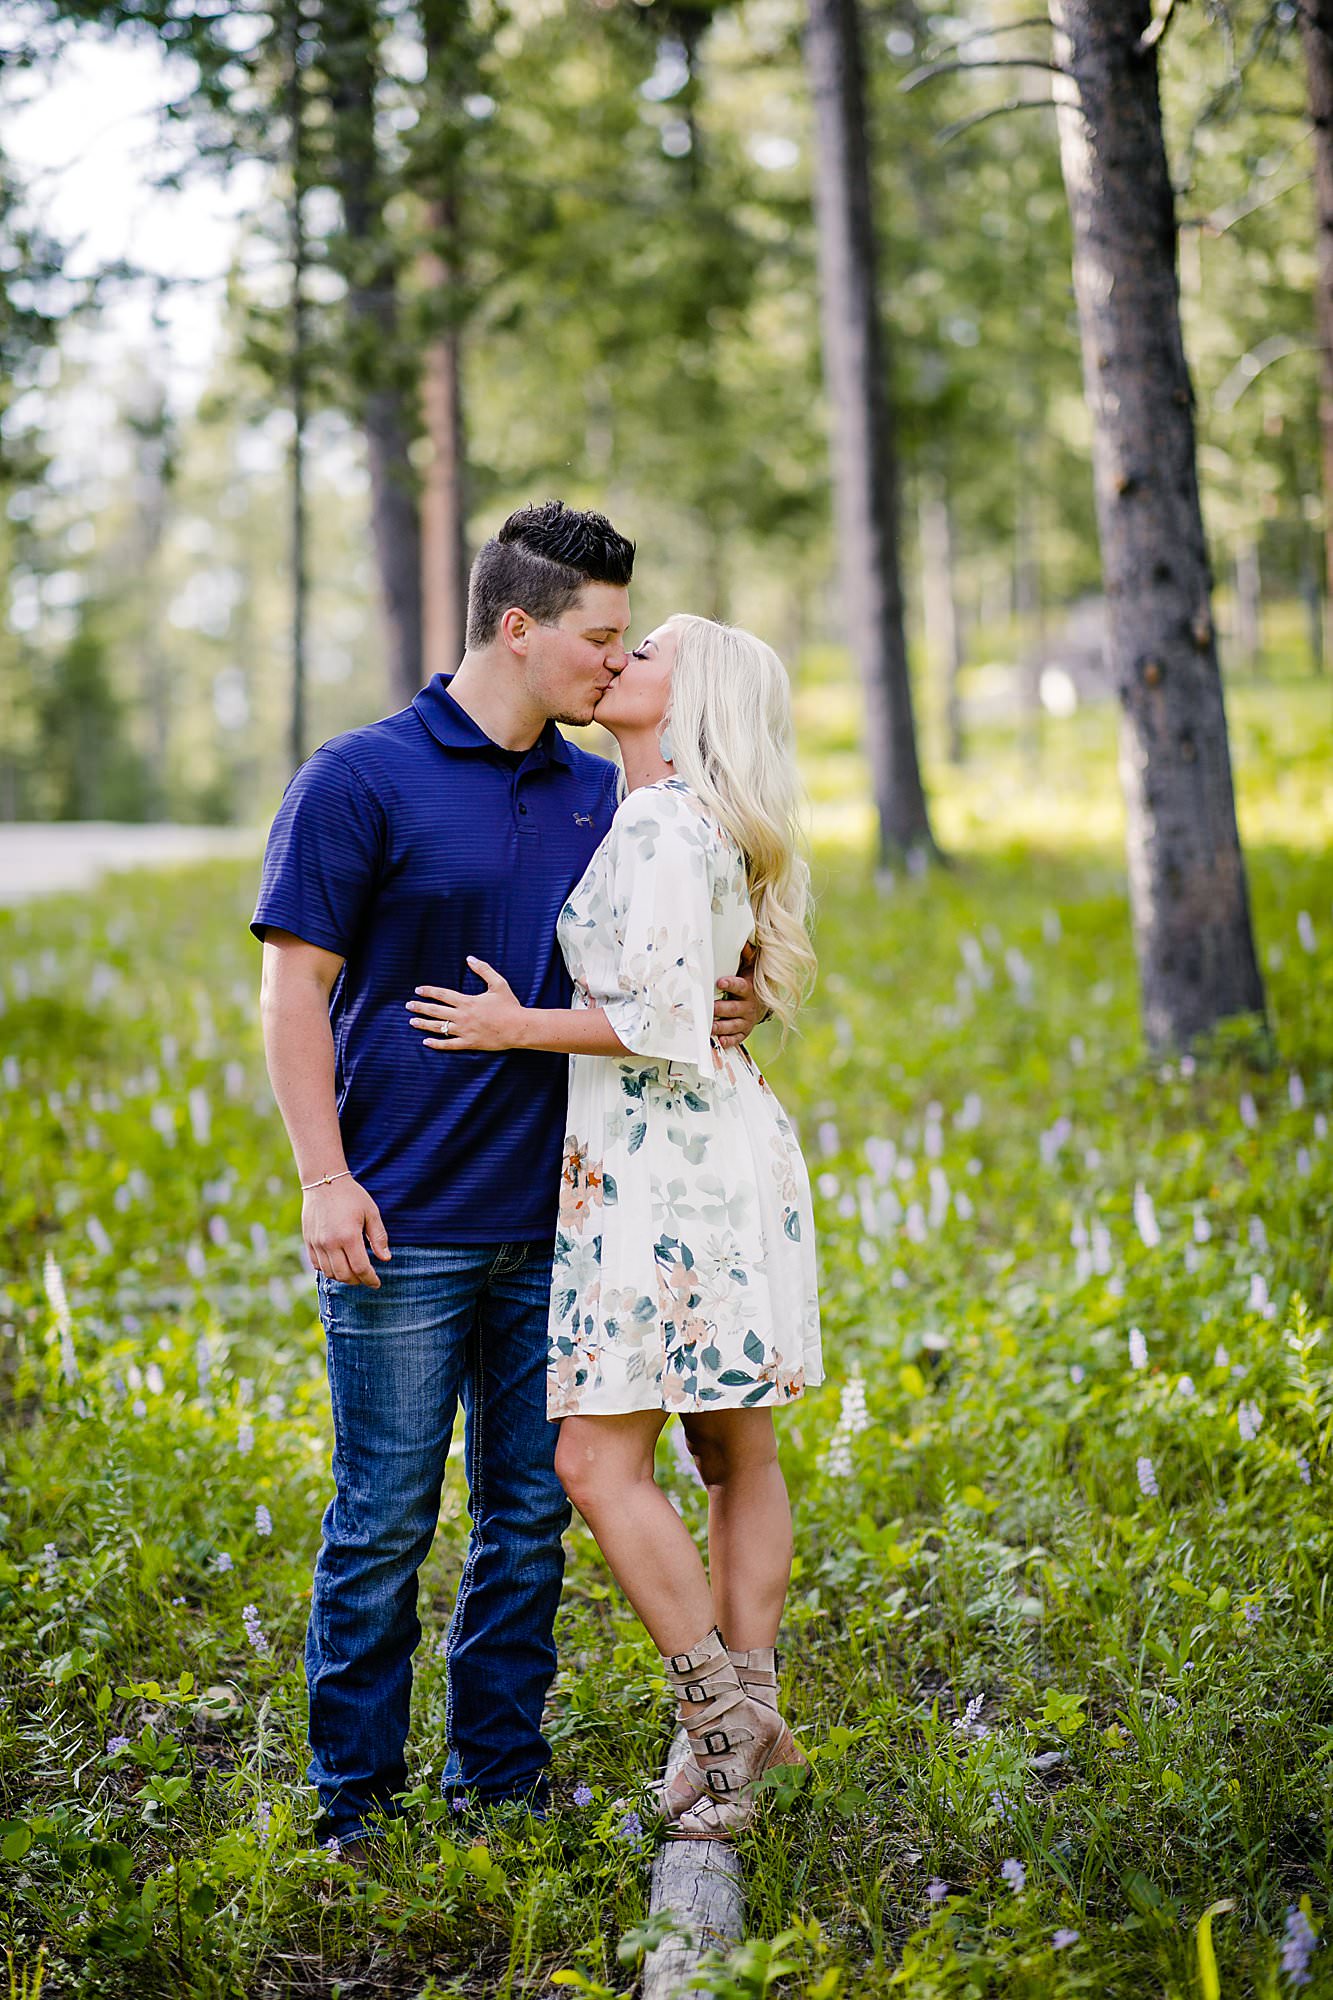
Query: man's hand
<point>469,1021</point>
<point>738,1013</point>
<point>336,1222</point>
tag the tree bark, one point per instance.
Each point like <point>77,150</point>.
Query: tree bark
<point>1317,37</point>
<point>444,563</point>
<point>296,143</point>
<point>1188,895</point>
<point>939,605</point>
<point>865,470</point>
<point>382,382</point>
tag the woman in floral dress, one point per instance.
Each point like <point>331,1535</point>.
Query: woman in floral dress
<point>684,1275</point>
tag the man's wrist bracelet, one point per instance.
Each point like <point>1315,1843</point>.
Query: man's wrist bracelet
<point>307,1185</point>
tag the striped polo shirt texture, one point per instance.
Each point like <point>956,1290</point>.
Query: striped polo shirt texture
<point>403,847</point>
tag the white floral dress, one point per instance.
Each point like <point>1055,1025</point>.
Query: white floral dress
<point>684,1273</point>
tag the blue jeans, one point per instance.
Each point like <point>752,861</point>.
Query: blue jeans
<point>461,1323</point>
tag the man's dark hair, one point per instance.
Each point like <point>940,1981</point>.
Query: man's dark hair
<point>540,560</point>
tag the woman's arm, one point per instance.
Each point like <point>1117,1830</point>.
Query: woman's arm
<point>496,1020</point>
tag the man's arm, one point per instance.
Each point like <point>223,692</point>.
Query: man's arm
<point>336,1220</point>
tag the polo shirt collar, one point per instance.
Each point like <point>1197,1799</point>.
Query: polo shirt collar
<point>454,728</point>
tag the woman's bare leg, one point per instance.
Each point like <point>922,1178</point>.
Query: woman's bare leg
<point>749,1521</point>
<point>605,1465</point>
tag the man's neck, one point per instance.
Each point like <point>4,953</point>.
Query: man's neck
<point>484,690</point>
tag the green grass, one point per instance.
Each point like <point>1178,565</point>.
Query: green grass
<point>998,1646</point>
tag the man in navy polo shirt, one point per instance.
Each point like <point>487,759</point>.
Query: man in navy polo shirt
<point>457,826</point>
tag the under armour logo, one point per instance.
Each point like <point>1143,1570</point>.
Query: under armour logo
<point>583,819</point>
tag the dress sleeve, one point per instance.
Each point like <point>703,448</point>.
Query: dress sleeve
<point>662,898</point>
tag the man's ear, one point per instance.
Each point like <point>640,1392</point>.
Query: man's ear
<point>515,630</point>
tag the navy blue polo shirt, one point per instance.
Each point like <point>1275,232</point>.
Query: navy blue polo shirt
<point>403,847</point>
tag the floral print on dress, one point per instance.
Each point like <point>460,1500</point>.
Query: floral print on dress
<point>684,1273</point>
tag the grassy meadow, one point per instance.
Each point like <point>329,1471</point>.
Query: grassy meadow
<point>1060,1638</point>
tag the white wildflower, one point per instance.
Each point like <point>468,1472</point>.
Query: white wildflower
<point>1145,1217</point>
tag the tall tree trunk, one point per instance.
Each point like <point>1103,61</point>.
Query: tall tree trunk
<point>1188,896</point>
<point>1029,608</point>
<point>1317,36</point>
<point>1248,632</point>
<point>939,606</point>
<point>865,470</point>
<point>149,421</point>
<point>296,143</point>
<point>444,563</point>
<point>383,384</point>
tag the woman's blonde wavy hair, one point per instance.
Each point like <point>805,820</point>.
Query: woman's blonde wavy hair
<point>730,720</point>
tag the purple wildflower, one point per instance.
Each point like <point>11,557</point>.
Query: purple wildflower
<point>263,1520</point>
<point>254,1631</point>
<point>263,1817</point>
<point>936,1891</point>
<point>971,1715</point>
<point>582,1794</point>
<point>115,1744</point>
<point>1147,1478</point>
<point>631,1827</point>
<point>1015,1874</point>
<point>1063,1939</point>
<point>1298,1943</point>
<point>1138,1349</point>
<point>1303,1467</point>
<point>222,1562</point>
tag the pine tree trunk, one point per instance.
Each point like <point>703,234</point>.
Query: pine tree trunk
<point>1188,896</point>
<point>444,563</point>
<point>939,605</point>
<point>1317,36</point>
<point>296,144</point>
<point>382,379</point>
<point>865,471</point>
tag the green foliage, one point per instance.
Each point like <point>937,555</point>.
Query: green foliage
<point>89,769</point>
<point>999,1647</point>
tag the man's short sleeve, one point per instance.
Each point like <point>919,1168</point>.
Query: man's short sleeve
<point>324,854</point>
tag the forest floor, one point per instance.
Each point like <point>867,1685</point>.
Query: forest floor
<point>1060,1635</point>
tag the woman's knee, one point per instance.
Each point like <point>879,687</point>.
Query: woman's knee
<point>593,1464</point>
<point>727,1444</point>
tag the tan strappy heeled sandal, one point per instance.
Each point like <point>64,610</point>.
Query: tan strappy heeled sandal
<point>733,1740</point>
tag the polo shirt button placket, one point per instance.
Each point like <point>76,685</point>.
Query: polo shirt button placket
<point>523,819</point>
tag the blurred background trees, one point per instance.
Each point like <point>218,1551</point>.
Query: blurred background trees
<point>493,249</point>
